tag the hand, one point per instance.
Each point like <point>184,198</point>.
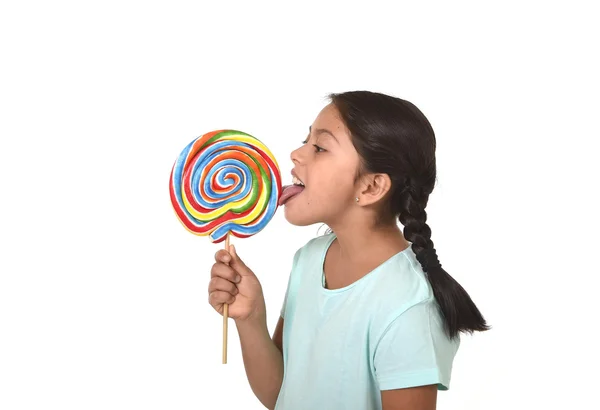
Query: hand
<point>232,282</point>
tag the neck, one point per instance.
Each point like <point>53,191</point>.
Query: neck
<point>359,244</point>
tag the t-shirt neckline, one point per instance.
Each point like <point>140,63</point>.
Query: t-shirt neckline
<point>365,277</point>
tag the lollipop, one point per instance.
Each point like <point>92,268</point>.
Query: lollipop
<point>225,182</point>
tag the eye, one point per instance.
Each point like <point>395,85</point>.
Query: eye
<point>317,148</point>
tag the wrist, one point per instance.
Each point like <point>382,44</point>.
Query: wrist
<point>258,321</point>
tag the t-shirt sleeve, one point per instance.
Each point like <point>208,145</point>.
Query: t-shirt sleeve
<point>285,300</point>
<point>287,291</point>
<point>414,350</point>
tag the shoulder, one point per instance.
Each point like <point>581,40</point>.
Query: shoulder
<point>401,284</point>
<point>403,294</point>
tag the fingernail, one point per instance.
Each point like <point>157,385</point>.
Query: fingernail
<point>226,258</point>
<point>238,278</point>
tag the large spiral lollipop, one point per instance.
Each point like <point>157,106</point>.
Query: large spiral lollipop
<point>224,182</point>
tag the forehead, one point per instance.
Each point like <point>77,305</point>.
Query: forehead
<point>329,119</point>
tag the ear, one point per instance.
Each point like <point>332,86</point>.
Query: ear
<point>373,188</point>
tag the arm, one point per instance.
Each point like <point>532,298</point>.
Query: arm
<point>414,398</point>
<point>278,335</point>
<point>263,359</point>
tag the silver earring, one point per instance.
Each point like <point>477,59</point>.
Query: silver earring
<point>356,199</point>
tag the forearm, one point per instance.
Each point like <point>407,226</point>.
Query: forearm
<point>262,360</point>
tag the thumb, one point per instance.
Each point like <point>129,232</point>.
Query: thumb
<point>237,264</point>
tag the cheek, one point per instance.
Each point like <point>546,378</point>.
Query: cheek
<point>343,178</point>
<point>332,180</point>
<point>335,186</point>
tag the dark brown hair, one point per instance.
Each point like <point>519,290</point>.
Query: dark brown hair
<point>392,136</point>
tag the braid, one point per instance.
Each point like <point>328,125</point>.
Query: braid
<point>456,307</point>
<point>416,230</point>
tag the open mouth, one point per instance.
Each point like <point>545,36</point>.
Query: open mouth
<point>290,191</point>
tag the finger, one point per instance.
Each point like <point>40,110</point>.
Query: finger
<point>221,284</point>
<point>237,264</point>
<point>222,256</point>
<point>223,271</point>
<point>218,298</point>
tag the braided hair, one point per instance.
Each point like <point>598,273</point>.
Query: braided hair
<point>392,136</point>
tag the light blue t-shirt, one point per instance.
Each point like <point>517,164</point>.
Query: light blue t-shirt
<point>341,347</point>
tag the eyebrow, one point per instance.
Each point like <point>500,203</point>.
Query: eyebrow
<point>322,131</point>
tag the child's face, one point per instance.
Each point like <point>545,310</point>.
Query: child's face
<point>328,175</point>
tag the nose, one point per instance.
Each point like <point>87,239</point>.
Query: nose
<point>296,156</point>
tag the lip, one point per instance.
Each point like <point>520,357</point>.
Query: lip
<point>294,174</point>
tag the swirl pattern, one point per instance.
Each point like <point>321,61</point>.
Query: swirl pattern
<point>225,181</point>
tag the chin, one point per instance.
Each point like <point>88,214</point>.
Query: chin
<point>297,218</point>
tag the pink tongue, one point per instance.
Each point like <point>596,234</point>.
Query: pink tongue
<point>288,192</point>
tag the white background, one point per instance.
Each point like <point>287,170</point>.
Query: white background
<point>103,301</point>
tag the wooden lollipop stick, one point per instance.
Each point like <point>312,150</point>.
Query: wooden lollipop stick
<point>225,313</point>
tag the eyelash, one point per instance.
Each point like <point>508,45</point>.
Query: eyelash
<point>317,148</point>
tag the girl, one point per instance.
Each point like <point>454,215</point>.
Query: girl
<point>370,318</point>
